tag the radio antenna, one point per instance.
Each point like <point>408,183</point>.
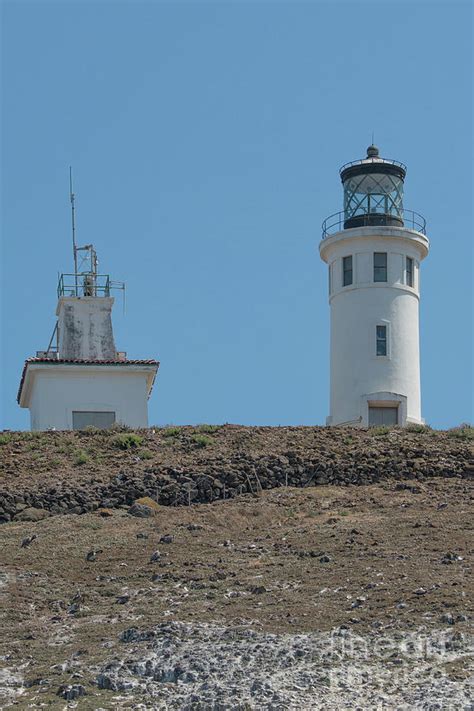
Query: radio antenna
<point>74,248</point>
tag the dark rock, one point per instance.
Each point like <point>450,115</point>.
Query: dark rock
<point>447,618</point>
<point>32,514</point>
<point>28,541</point>
<point>450,558</point>
<point>140,510</point>
<point>167,538</point>
<point>134,635</point>
<point>122,599</point>
<point>71,691</point>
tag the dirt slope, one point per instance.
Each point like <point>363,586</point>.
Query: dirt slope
<point>232,604</point>
<point>78,472</point>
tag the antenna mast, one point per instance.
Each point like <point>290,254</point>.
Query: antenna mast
<point>74,248</point>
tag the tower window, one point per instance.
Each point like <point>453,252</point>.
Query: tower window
<point>380,266</point>
<point>346,271</point>
<point>381,338</point>
<point>409,269</point>
<point>330,278</point>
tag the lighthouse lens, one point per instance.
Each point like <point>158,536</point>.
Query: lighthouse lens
<point>373,194</point>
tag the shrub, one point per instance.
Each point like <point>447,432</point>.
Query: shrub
<point>201,440</point>
<point>208,429</point>
<point>118,427</point>
<point>171,432</point>
<point>464,431</point>
<point>81,457</point>
<point>145,454</point>
<point>30,435</point>
<point>413,427</point>
<point>127,440</point>
<point>5,438</point>
<point>380,431</point>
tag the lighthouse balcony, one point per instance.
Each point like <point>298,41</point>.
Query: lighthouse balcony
<point>400,218</point>
<point>84,284</point>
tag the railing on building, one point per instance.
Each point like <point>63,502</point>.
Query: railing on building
<point>86,284</point>
<point>405,218</point>
<point>376,160</point>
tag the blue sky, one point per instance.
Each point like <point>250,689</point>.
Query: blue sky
<point>206,140</point>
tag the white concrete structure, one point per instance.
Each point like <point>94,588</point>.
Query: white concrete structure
<point>83,380</point>
<point>66,395</point>
<point>374,290</point>
<point>85,327</point>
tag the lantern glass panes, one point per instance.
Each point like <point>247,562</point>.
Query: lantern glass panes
<point>373,193</point>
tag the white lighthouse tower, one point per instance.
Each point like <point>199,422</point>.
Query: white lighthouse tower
<point>373,249</point>
<point>81,380</point>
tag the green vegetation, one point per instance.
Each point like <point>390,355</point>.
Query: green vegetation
<point>127,440</point>
<point>145,454</point>
<point>81,457</point>
<point>5,438</point>
<point>380,431</point>
<point>413,427</point>
<point>201,440</point>
<point>171,432</point>
<point>117,427</point>
<point>29,435</point>
<point>464,431</point>
<point>208,429</point>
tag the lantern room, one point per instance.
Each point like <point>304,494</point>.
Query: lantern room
<point>373,191</point>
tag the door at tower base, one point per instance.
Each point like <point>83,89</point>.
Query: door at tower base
<point>383,416</point>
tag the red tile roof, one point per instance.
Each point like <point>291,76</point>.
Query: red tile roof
<point>78,361</point>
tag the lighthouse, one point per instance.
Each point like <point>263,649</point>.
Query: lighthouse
<point>374,248</point>
<point>80,380</point>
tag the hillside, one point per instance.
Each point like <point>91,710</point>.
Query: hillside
<point>79,471</point>
<point>321,594</point>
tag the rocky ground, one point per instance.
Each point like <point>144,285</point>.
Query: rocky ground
<point>78,472</point>
<point>317,597</point>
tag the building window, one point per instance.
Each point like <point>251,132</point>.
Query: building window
<point>381,338</point>
<point>346,271</point>
<point>380,266</point>
<point>410,264</point>
<point>82,419</point>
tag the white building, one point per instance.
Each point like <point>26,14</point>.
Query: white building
<point>373,250</point>
<point>83,380</point>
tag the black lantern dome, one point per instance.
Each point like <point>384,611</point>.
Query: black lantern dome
<point>373,191</point>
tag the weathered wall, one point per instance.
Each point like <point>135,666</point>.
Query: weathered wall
<point>85,328</point>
